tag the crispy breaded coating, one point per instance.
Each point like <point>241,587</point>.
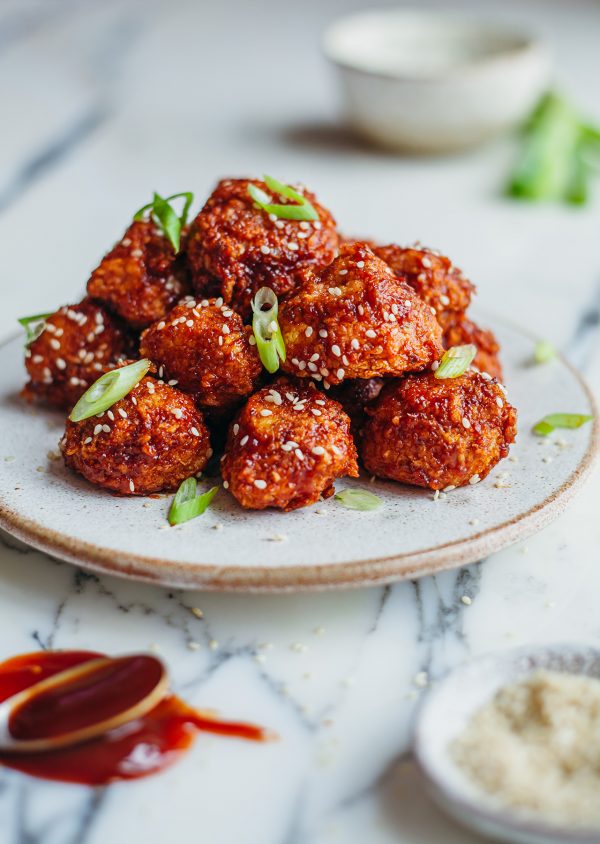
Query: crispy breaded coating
<point>286,448</point>
<point>204,347</point>
<point>141,278</point>
<point>432,276</point>
<point>78,343</point>
<point>438,433</point>
<point>149,441</point>
<point>459,330</point>
<point>356,320</point>
<point>234,247</point>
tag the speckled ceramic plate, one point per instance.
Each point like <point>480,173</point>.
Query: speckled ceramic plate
<point>318,547</point>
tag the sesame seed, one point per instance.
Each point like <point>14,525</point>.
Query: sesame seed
<point>226,329</point>
<point>370,333</point>
<point>466,423</point>
<point>316,412</point>
<point>466,600</point>
<point>426,262</point>
<point>474,479</point>
<point>340,373</point>
<point>161,325</point>
<point>266,412</point>
<point>322,332</point>
<point>302,365</point>
<point>292,245</point>
<point>499,402</point>
<point>260,484</point>
<point>236,429</point>
<point>299,454</point>
<point>106,429</point>
<point>343,272</point>
<point>313,367</point>
<point>265,250</point>
<point>445,301</point>
<point>421,679</point>
<point>136,253</point>
<point>355,344</point>
<point>110,415</point>
<point>87,440</point>
<point>195,431</point>
<point>308,332</point>
<point>318,450</point>
<point>360,264</point>
<point>122,413</point>
<point>449,488</point>
<point>225,484</point>
<point>37,358</point>
<point>220,339</point>
<point>132,486</point>
<point>335,350</point>
<point>435,365</point>
<point>361,310</point>
<point>60,363</point>
<point>321,402</point>
<point>55,344</point>
<point>345,360</point>
<point>244,440</point>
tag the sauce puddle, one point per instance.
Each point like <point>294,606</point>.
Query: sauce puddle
<point>140,747</point>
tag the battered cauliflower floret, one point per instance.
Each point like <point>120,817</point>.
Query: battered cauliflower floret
<point>234,247</point>
<point>355,395</point>
<point>149,441</point>
<point>356,320</point>
<point>287,447</point>
<point>459,330</point>
<point>204,347</point>
<point>438,433</point>
<point>141,278</point>
<point>78,343</point>
<point>432,276</point>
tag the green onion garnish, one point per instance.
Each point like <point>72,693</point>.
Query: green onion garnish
<point>543,351</point>
<point>34,326</point>
<point>269,339</point>
<point>166,217</point>
<point>187,505</point>
<point>302,211</point>
<point>455,361</point>
<point>108,389</point>
<point>560,420</point>
<point>358,499</point>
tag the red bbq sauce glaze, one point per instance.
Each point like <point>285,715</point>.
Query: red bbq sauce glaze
<point>138,748</point>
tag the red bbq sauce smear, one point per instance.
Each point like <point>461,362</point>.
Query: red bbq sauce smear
<point>138,748</point>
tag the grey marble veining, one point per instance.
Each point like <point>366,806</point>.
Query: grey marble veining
<point>103,103</point>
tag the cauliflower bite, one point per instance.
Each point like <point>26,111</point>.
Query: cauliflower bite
<point>141,278</point>
<point>205,349</point>
<point>234,247</point>
<point>149,441</point>
<point>355,395</point>
<point>287,447</point>
<point>459,331</point>
<point>432,276</point>
<point>78,343</point>
<point>357,321</point>
<point>438,433</point>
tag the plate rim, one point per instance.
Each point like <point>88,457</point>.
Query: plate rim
<point>318,577</point>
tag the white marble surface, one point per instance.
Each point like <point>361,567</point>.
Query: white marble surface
<point>102,102</point>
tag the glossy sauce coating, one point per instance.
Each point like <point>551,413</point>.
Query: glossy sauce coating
<point>234,248</point>
<point>139,748</point>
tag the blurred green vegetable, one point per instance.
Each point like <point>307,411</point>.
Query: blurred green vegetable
<point>556,160</point>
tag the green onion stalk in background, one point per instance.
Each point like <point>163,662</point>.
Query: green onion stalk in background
<point>557,159</point>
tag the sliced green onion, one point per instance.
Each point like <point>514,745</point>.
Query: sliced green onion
<point>543,351</point>
<point>108,389</point>
<point>34,326</point>
<point>303,210</point>
<point>456,360</point>
<point>166,217</point>
<point>560,420</point>
<point>358,499</point>
<point>269,341</point>
<point>187,505</point>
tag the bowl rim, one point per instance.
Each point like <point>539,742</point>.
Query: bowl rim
<point>529,44</point>
<point>459,799</point>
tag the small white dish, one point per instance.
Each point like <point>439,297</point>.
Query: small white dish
<point>444,714</point>
<point>433,81</point>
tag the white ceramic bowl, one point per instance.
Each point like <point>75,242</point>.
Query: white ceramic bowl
<point>444,714</point>
<point>433,81</point>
